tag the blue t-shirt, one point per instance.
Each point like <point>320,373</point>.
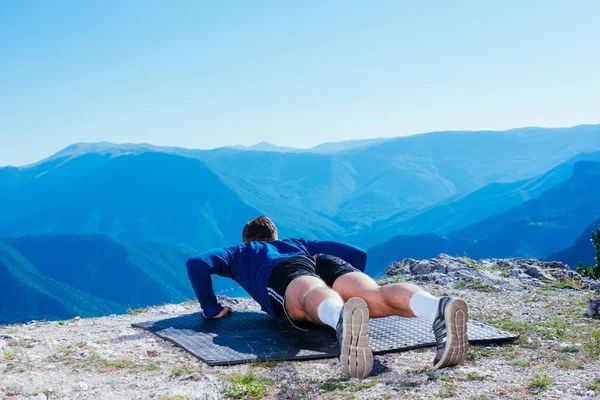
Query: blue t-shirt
<point>250,265</point>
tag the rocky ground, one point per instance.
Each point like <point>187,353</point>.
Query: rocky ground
<point>557,354</point>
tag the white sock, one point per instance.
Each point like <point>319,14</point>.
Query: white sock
<point>424,305</point>
<point>329,311</point>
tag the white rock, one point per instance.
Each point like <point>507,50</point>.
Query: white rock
<point>41,396</point>
<point>126,335</point>
<point>83,386</point>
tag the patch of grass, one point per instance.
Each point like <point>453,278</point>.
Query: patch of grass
<point>471,357</point>
<point>409,384</point>
<point>475,284</point>
<point>26,343</point>
<point>342,384</point>
<point>566,363</point>
<point>393,279</point>
<point>569,283</point>
<point>137,311</point>
<point>489,351</point>
<point>478,397</point>
<point>540,381</point>
<point>512,325</point>
<point>417,370</point>
<point>460,284</point>
<point>11,331</point>
<point>555,328</point>
<point>118,364</point>
<point>9,355</point>
<point>521,362</point>
<point>447,391</point>
<point>591,342</point>
<point>265,364</point>
<point>63,353</point>
<point>474,376</point>
<point>594,386</point>
<point>482,286</point>
<point>151,367</point>
<point>176,372</point>
<point>571,349</point>
<point>246,386</point>
<point>62,323</point>
<point>332,384</point>
<point>509,352</point>
<point>359,386</point>
<point>474,264</point>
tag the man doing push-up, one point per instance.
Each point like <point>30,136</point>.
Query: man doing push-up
<point>322,282</point>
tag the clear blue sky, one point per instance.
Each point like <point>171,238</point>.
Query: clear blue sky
<point>204,74</point>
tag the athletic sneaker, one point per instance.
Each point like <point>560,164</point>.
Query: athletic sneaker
<point>450,330</point>
<point>356,357</point>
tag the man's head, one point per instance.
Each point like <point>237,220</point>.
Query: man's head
<point>260,229</point>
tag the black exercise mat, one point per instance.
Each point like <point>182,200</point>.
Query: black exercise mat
<point>248,336</point>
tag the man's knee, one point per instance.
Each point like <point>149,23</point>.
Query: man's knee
<point>355,284</point>
<point>298,294</point>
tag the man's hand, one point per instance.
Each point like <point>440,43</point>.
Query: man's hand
<point>225,312</point>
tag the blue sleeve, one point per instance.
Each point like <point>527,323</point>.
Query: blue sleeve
<point>353,255</point>
<point>200,268</point>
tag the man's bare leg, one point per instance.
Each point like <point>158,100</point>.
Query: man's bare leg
<point>383,301</point>
<point>449,315</point>
<point>308,298</point>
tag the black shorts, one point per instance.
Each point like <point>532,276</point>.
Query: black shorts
<point>327,268</point>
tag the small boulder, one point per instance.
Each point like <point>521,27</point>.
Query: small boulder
<point>538,273</point>
<point>593,307</point>
<point>514,272</point>
<point>423,267</point>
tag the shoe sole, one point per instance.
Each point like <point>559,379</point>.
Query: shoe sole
<point>457,341</point>
<point>356,357</point>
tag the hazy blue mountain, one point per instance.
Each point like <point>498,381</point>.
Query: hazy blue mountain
<point>411,173</point>
<point>266,146</point>
<point>298,190</point>
<point>458,213</point>
<point>402,175</point>
<point>137,192</point>
<point>547,223</point>
<point>152,196</point>
<point>536,228</point>
<point>62,276</point>
<point>325,148</point>
<point>111,149</point>
<point>581,250</point>
<point>25,294</point>
<point>338,147</point>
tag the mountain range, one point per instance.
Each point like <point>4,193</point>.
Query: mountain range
<point>535,228</point>
<point>527,192</point>
<point>581,250</point>
<point>63,276</point>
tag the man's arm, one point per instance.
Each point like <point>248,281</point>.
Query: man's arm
<point>200,268</point>
<point>351,254</point>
